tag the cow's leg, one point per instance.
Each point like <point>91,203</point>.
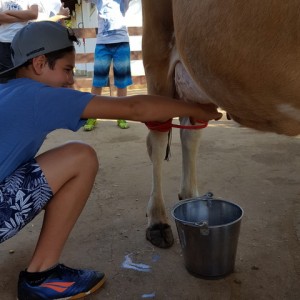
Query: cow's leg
<point>159,232</point>
<point>158,43</point>
<point>190,140</point>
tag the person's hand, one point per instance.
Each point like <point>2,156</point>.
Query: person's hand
<point>64,11</point>
<point>211,113</point>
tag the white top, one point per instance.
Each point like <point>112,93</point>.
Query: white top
<point>111,21</point>
<point>8,31</point>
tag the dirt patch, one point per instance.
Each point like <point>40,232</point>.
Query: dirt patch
<point>258,171</point>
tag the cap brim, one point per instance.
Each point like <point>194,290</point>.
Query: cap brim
<point>9,72</point>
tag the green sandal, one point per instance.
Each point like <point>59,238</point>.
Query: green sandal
<point>90,124</point>
<point>123,124</point>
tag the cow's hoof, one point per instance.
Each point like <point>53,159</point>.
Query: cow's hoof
<point>160,235</point>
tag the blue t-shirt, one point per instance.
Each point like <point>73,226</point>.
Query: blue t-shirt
<point>29,110</point>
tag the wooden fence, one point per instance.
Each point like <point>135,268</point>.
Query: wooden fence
<point>84,82</point>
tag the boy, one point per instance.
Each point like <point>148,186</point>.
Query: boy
<point>59,180</point>
<point>112,47</point>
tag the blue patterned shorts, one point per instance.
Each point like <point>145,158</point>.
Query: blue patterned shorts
<point>119,55</point>
<point>23,195</point>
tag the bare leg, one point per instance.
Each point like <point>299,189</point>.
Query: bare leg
<point>122,92</point>
<point>91,123</point>
<point>70,171</point>
<point>96,90</point>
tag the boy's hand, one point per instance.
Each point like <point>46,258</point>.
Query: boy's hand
<point>64,11</point>
<point>211,113</point>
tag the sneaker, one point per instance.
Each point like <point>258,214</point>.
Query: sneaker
<point>90,124</point>
<point>60,282</point>
<point>123,124</point>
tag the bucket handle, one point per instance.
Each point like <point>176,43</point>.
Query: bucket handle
<point>208,196</point>
<point>203,226</point>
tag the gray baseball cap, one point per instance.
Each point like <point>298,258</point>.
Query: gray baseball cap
<point>36,39</point>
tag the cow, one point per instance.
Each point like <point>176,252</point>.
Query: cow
<point>243,56</point>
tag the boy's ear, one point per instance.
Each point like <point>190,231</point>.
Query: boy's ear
<point>38,63</point>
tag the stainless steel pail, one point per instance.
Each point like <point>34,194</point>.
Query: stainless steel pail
<point>208,230</point>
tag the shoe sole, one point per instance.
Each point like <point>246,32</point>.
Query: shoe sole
<point>82,295</point>
<point>94,289</point>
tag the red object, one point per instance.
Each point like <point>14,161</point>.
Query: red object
<point>167,126</point>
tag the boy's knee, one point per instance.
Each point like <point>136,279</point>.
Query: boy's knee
<point>83,153</point>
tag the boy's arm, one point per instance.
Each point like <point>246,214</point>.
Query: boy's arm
<point>147,108</point>
<point>6,18</point>
<point>63,13</point>
<point>24,15</point>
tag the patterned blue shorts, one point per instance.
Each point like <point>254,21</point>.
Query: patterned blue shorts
<point>23,195</point>
<point>119,55</point>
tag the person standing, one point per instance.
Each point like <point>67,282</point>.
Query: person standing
<point>112,47</point>
<point>14,15</point>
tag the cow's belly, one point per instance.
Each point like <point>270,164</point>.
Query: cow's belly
<point>280,117</point>
<point>249,69</point>
<point>254,104</point>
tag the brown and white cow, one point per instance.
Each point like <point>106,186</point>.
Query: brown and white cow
<point>242,55</point>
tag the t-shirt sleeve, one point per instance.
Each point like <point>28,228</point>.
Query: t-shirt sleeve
<point>60,108</point>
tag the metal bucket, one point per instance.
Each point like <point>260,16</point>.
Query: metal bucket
<point>208,231</point>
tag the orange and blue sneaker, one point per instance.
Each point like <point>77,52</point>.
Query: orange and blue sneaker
<point>59,282</point>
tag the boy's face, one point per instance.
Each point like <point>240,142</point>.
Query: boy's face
<point>62,75</point>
